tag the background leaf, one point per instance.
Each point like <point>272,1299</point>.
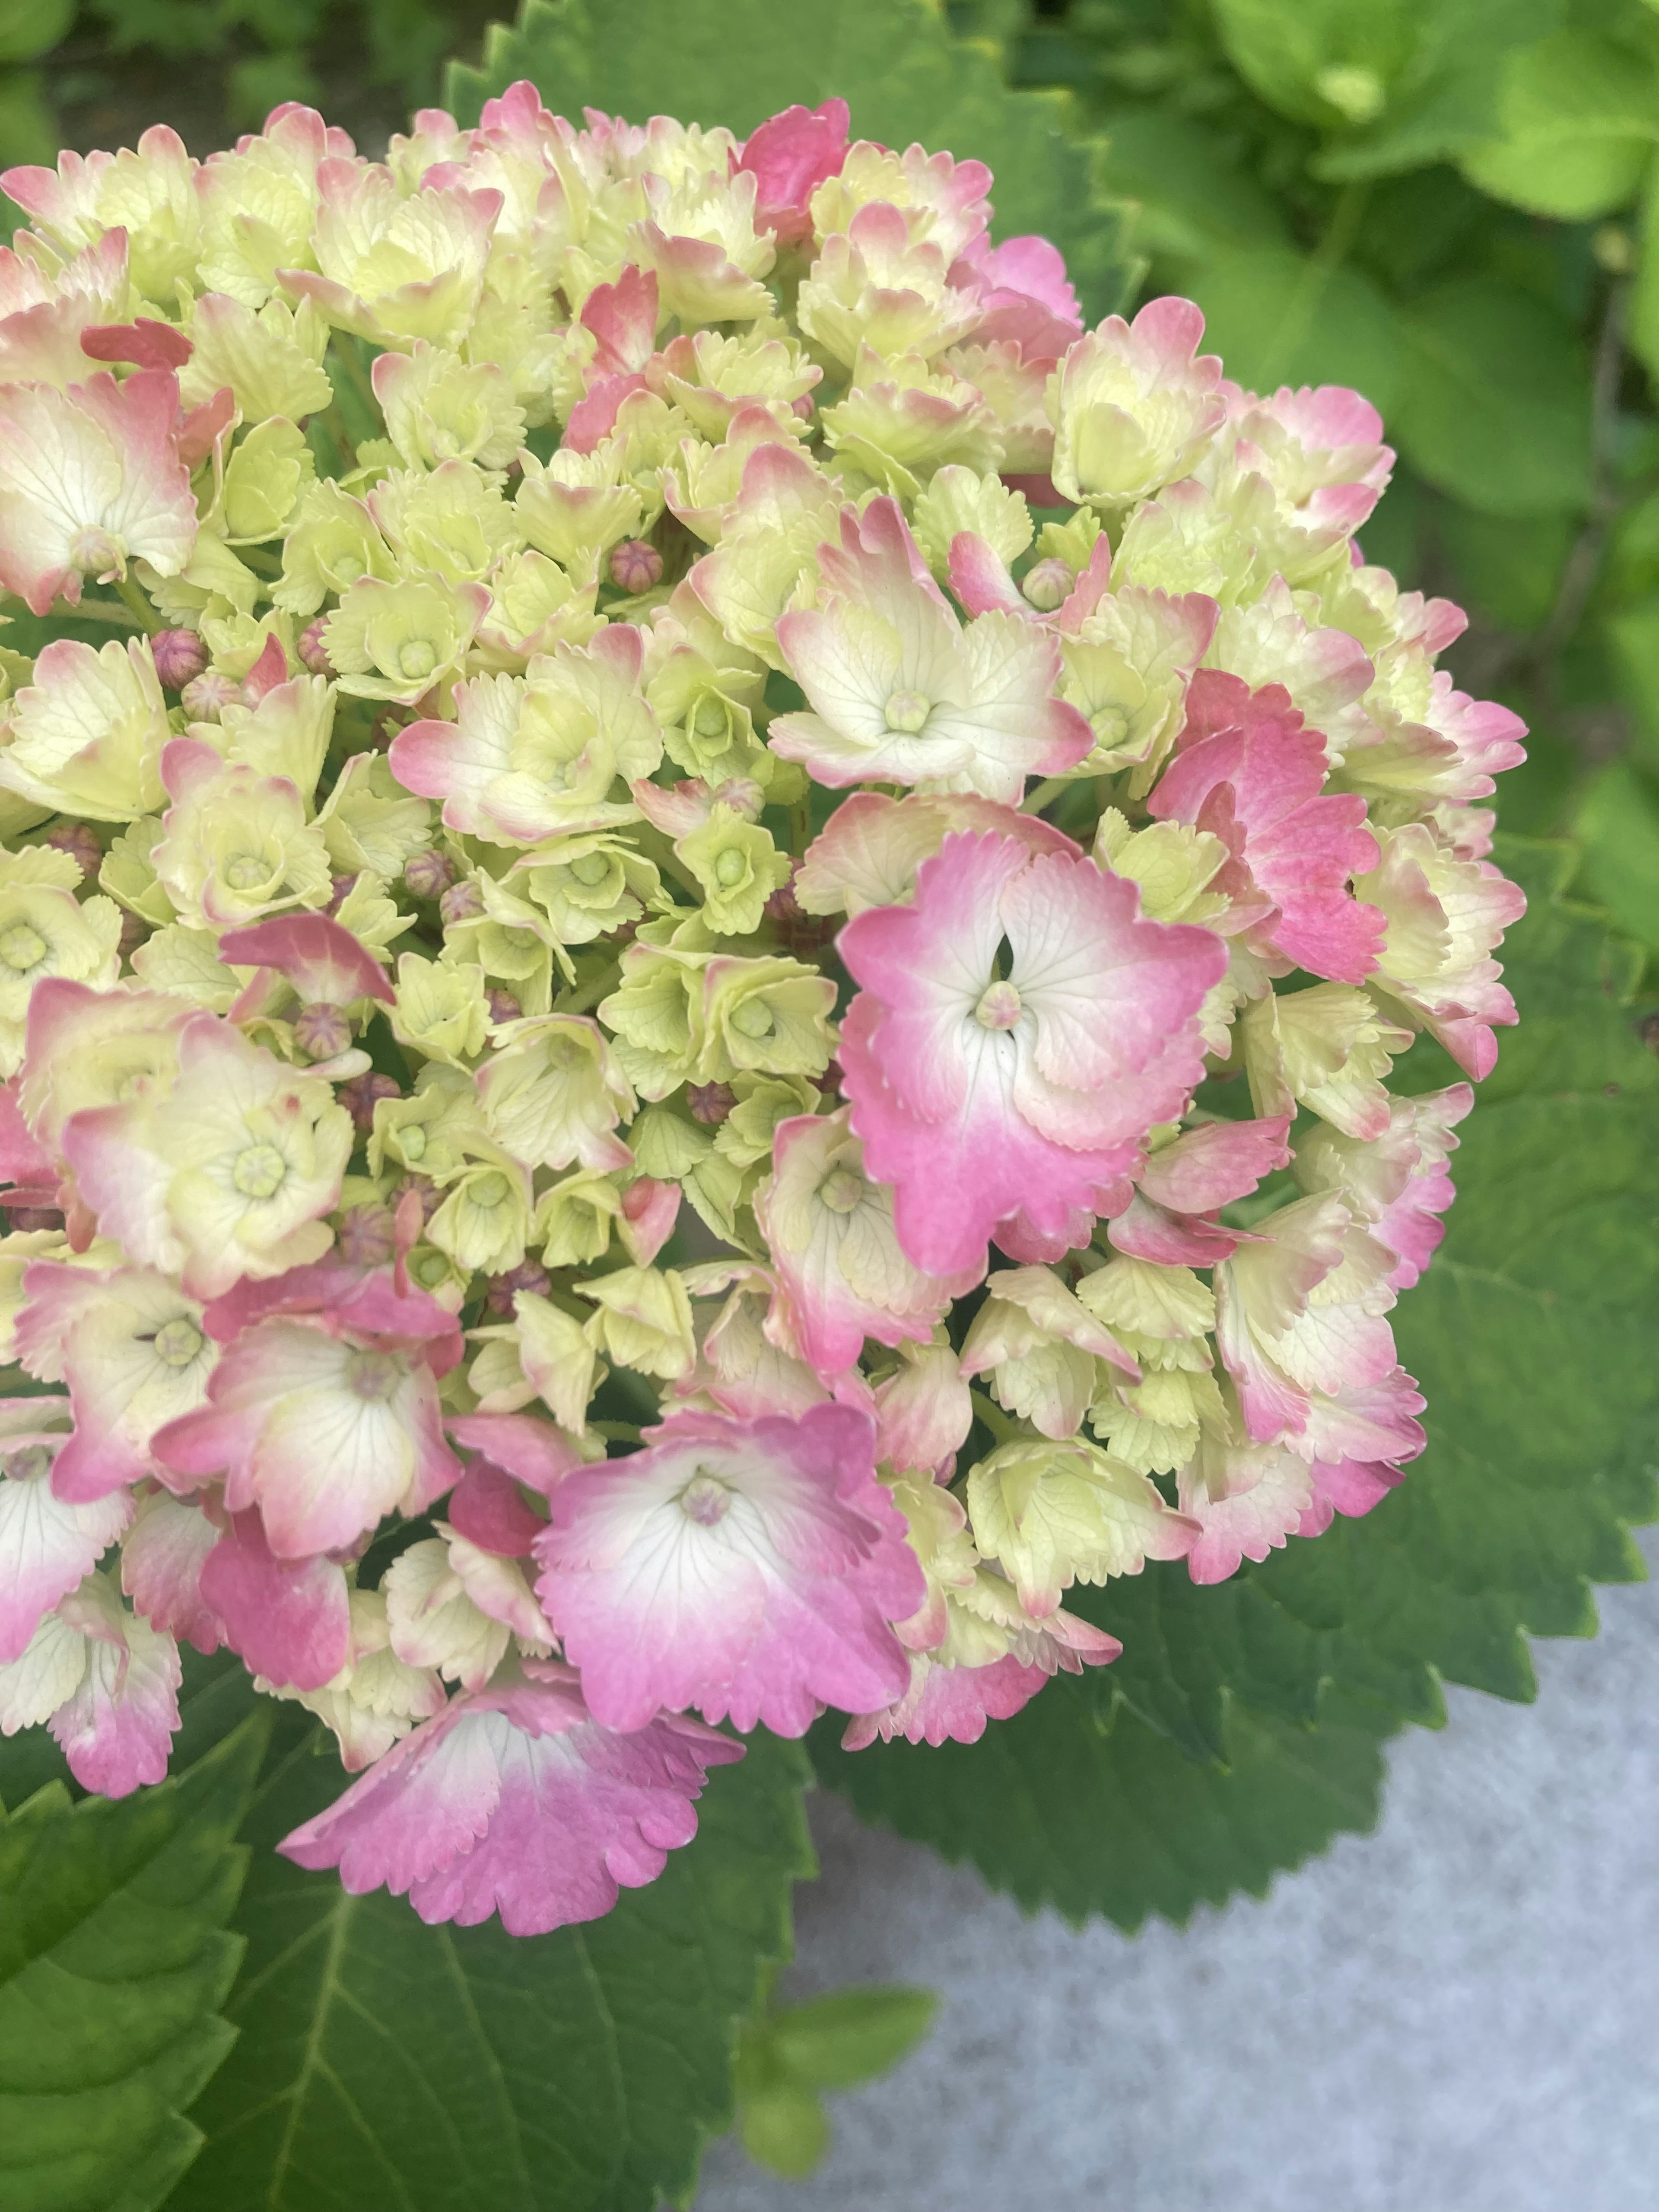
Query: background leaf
<point>894,61</point>
<point>114,1966</point>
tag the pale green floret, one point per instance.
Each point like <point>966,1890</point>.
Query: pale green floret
<point>268,474</point>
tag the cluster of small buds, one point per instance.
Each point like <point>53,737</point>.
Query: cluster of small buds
<point>683,1035</point>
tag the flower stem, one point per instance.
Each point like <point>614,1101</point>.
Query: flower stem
<point>994,1418</point>
<point>134,600</point>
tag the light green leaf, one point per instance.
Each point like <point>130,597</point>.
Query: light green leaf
<point>1276,317</point>
<point>1188,1769</point>
<point>895,62</point>
<point>1642,320</point>
<point>388,2065</point>
<point>1398,83</point>
<point>114,1967</point>
<point>1578,115</point>
<point>1617,824</point>
<point>29,28</point>
<point>785,2129</point>
<point>1494,405</point>
<point>851,2036</point>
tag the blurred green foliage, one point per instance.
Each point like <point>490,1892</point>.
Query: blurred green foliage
<point>1453,206</point>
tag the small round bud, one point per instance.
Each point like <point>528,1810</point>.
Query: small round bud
<point>366,1237</point>
<point>831,1081</point>
<point>80,843</point>
<point>180,657</point>
<point>460,902</point>
<point>502,1290</point>
<point>710,1102</point>
<point>803,406</point>
<point>204,698</point>
<point>1049,585</point>
<point>360,1095</point>
<point>430,1197</point>
<point>34,1217</point>
<point>321,1031</point>
<point>782,906</point>
<point>504,1005</point>
<point>635,566</point>
<point>313,653</point>
<point>428,875</point>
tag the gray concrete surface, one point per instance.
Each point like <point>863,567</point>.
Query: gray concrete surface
<point>1460,2014</point>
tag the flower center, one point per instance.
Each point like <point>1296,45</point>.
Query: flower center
<point>709,719</point>
<point>21,947</point>
<point>347,569</point>
<point>998,1007</point>
<point>93,551</point>
<point>752,1018</point>
<point>373,1375</point>
<point>490,1190</point>
<point>906,711</point>
<point>260,1171</point>
<point>416,659</point>
<point>412,1141</point>
<point>246,872</point>
<point>841,1190</point>
<point>29,1464</point>
<point>178,1342</point>
<point>705,1499</point>
<point>731,866</point>
<point>590,869</point>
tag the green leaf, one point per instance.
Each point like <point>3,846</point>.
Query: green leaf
<point>29,28</point>
<point>785,2129</point>
<point>1276,317</point>
<point>1400,82</point>
<point>1617,824</point>
<point>1200,1762</point>
<point>1577,117</point>
<point>1642,321</point>
<point>1512,576</point>
<point>895,62</point>
<point>383,2063</point>
<point>1494,407</point>
<point>836,2042</point>
<point>114,1967</point>
<point>1190,199</point>
<point>1060,1809</point>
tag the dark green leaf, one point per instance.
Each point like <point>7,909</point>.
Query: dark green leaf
<point>389,2065</point>
<point>114,1966</point>
<point>1494,404</point>
<point>736,62</point>
<point>1058,1809</point>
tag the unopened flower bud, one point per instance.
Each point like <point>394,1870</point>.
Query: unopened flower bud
<point>427,875</point>
<point>710,1102</point>
<point>503,1289</point>
<point>180,657</point>
<point>460,902</point>
<point>313,653</point>
<point>205,696</point>
<point>134,930</point>
<point>321,1031</point>
<point>339,892</point>
<point>1049,585</point>
<point>635,566</point>
<point>366,1237</point>
<point>504,1005</point>
<point>80,843</point>
<point>34,1217</point>
<point>426,1190</point>
<point>361,1094</point>
<point>803,406</point>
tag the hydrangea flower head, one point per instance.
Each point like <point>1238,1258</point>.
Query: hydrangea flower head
<point>641,985</point>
